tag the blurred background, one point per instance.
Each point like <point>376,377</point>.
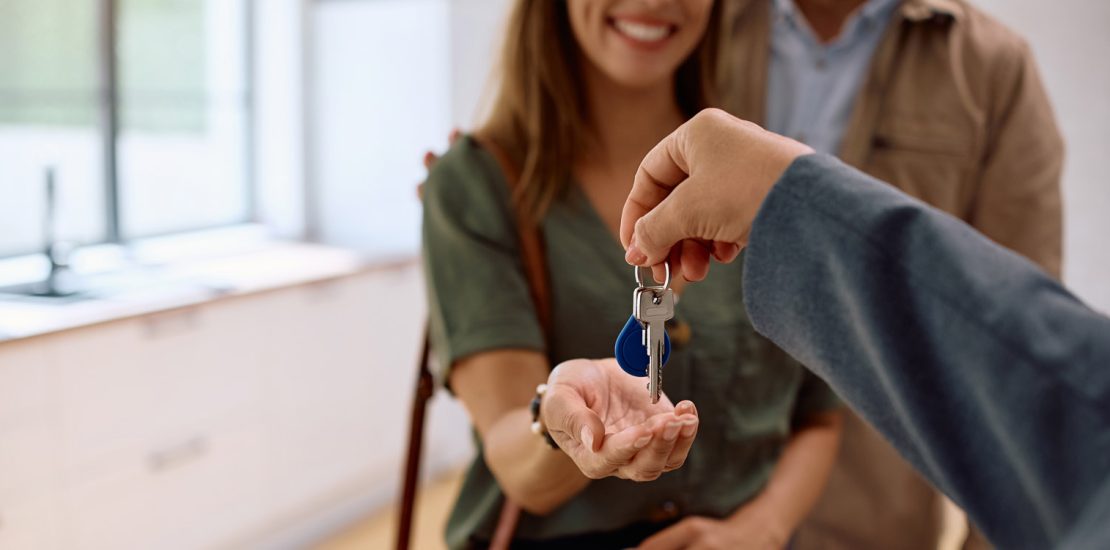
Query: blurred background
<point>210,298</point>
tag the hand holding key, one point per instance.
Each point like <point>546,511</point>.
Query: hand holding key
<point>599,417</point>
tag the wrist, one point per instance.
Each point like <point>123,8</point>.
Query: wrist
<point>776,525</point>
<point>538,427</point>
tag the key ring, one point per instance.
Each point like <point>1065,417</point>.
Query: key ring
<point>666,281</point>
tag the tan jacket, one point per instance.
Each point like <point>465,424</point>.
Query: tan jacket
<point>952,112</point>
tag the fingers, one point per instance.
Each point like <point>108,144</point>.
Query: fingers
<point>725,252</point>
<point>686,437</point>
<point>662,169</point>
<point>656,232</point>
<point>674,537</point>
<point>649,463</point>
<point>695,260</point>
<point>430,159</point>
<point>617,451</point>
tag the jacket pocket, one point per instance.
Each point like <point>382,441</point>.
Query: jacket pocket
<point>934,161</point>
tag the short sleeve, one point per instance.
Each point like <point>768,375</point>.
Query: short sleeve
<point>814,396</point>
<point>478,295</point>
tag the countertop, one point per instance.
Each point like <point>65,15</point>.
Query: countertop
<point>146,290</point>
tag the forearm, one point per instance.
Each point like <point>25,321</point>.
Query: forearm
<point>944,342</point>
<point>496,387</point>
<point>800,475</point>
<point>530,472</point>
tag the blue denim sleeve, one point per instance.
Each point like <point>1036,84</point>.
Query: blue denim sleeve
<point>990,377</point>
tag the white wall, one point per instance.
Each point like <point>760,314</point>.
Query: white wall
<point>477,28</point>
<point>279,125</point>
<point>380,97</point>
<point>1070,41</point>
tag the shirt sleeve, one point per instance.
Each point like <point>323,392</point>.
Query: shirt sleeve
<point>1018,202</point>
<point>980,369</point>
<point>814,396</point>
<point>478,296</point>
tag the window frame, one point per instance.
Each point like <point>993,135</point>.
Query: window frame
<point>107,107</point>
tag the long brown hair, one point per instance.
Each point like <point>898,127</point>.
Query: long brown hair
<point>539,117</point>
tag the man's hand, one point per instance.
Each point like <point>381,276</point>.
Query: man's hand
<point>742,531</point>
<point>604,420</point>
<point>697,192</point>
<point>430,160</point>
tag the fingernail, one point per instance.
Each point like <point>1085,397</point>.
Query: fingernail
<point>587,438</point>
<point>671,432</point>
<point>642,442</point>
<point>688,431</point>
<point>634,256</point>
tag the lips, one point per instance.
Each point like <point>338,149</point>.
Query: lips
<point>642,31</point>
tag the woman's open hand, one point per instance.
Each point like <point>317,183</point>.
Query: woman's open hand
<point>604,420</point>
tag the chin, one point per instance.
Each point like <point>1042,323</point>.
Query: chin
<point>630,76</point>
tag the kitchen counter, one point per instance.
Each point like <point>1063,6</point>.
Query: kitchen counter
<point>145,290</point>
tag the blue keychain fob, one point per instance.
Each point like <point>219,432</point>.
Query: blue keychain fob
<point>630,351</point>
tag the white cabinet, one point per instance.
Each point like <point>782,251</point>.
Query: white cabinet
<point>28,440</point>
<point>210,425</point>
<point>30,524</point>
<point>28,448</point>
<point>321,390</point>
<point>197,492</point>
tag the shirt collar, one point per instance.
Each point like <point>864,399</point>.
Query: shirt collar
<point>870,10</point>
<point>913,10</point>
<point>924,10</point>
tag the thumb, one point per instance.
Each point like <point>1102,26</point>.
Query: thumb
<point>568,419</point>
<point>586,428</point>
<point>657,232</point>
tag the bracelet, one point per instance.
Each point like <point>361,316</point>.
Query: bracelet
<point>537,426</point>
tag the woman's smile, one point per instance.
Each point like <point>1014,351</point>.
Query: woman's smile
<point>642,32</point>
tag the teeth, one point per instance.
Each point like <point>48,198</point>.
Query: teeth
<point>642,32</point>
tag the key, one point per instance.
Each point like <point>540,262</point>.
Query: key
<point>653,308</point>
<point>643,347</point>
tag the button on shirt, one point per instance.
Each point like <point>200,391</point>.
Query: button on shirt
<point>812,87</point>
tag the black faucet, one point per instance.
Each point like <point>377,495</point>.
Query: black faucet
<point>60,281</point>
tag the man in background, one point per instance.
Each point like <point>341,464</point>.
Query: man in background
<point>946,104</point>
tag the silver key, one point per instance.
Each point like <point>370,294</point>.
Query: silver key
<point>656,308</point>
<point>653,307</point>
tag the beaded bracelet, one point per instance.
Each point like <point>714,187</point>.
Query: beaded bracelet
<point>537,426</point>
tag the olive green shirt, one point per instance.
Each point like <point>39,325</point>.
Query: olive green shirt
<point>749,393</point>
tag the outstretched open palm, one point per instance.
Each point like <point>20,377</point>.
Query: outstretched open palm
<point>604,420</point>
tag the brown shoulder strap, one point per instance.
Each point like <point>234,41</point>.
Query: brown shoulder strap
<point>528,234</point>
<point>535,269</point>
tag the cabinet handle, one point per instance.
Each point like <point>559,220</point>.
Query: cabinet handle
<point>157,325</point>
<point>178,455</point>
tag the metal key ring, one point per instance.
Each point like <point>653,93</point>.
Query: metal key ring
<point>666,281</point>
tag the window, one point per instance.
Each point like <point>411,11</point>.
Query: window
<point>149,139</point>
<point>49,118</point>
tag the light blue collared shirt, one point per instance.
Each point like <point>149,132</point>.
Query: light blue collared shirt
<point>812,87</point>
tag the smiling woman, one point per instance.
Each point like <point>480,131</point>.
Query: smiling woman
<point>587,88</point>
